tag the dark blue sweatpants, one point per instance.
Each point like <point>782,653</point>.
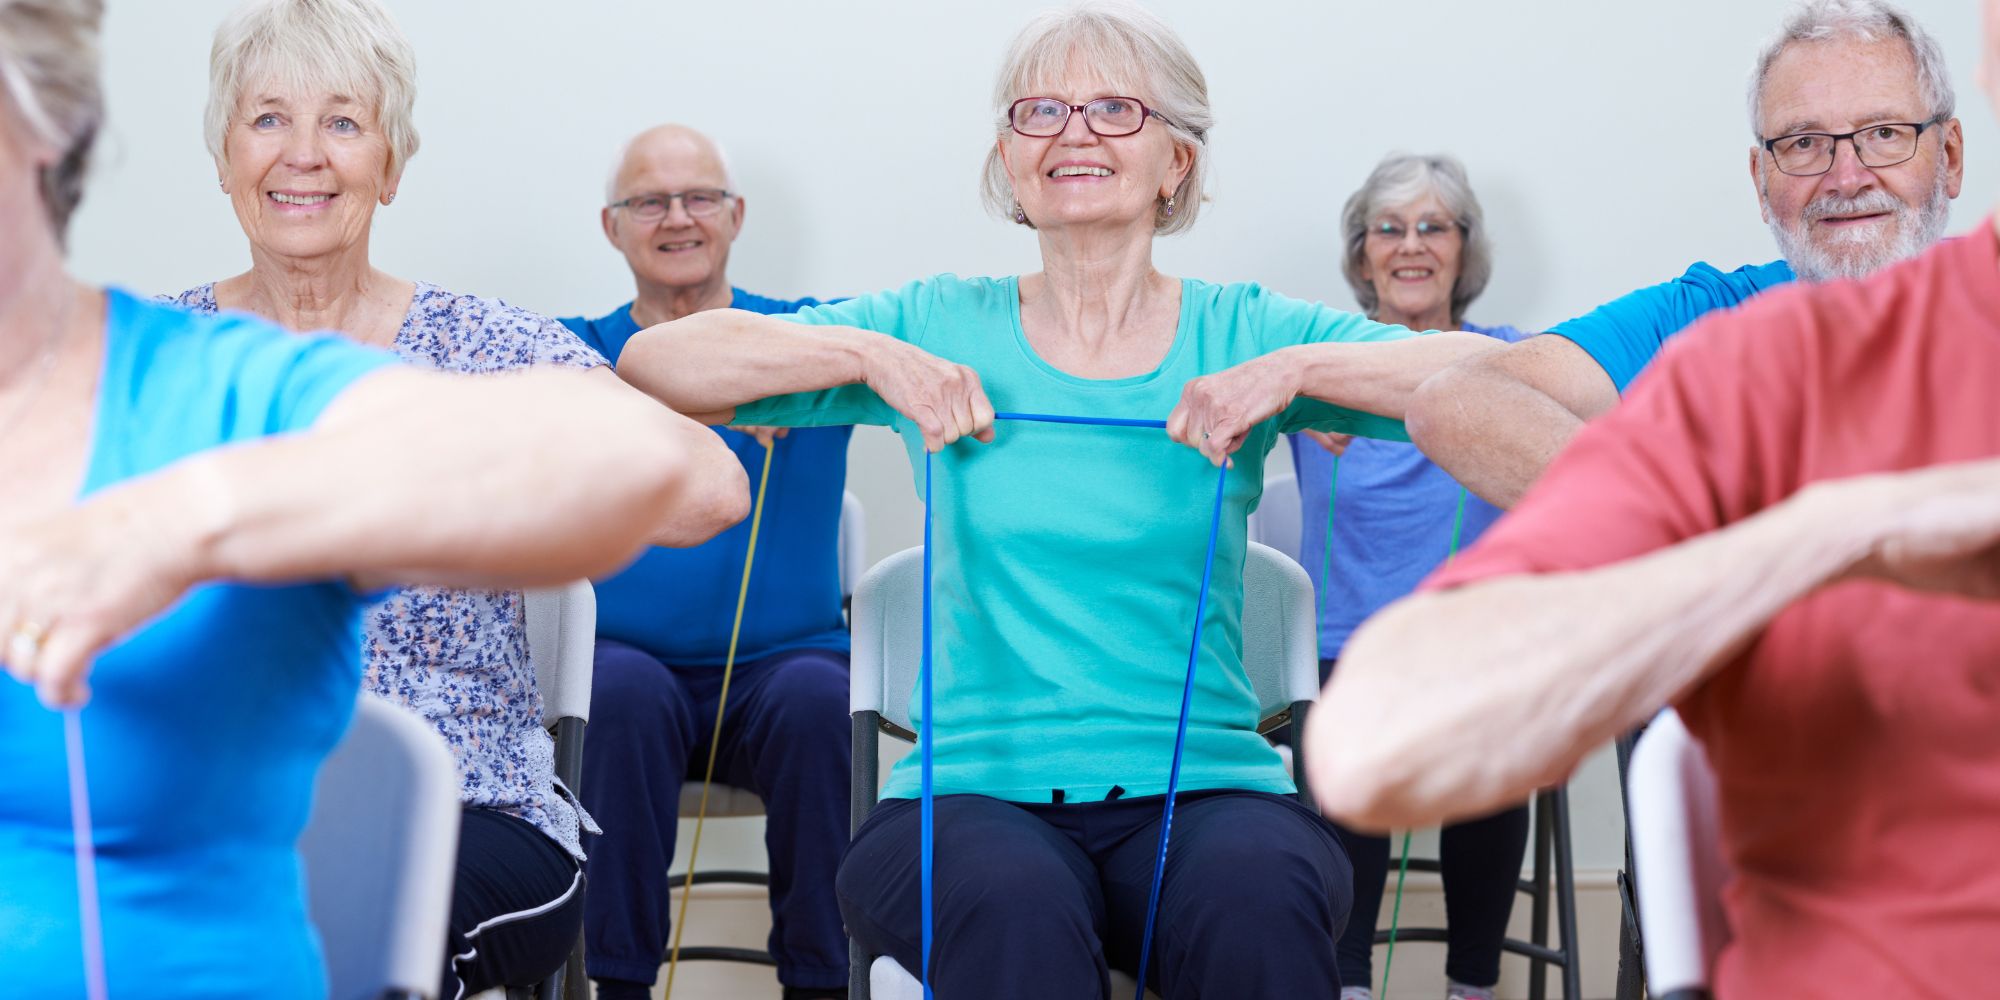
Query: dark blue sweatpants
<point>785,737</point>
<point>1038,900</point>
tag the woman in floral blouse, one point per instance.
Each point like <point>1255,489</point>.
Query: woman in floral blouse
<point>309,121</point>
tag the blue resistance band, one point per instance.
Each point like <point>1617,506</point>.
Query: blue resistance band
<point>927,809</point>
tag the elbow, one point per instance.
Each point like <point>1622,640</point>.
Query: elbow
<point>701,490</point>
<point>1432,413</point>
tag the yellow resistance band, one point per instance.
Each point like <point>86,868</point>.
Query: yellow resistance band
<point>721,702</point>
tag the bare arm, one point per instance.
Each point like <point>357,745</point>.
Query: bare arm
<point>1496,420</point>
<point>682,526</point>
<point>1455,703</point>
<point>707,364</point>
<point>561,480</point>
<point>1217,412</point>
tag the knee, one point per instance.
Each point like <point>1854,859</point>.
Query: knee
<point>628,686</point>
<point>812,694</point>
<point>1300,877</point>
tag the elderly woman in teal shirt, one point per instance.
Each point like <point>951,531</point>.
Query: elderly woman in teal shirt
<point>1069,559</point>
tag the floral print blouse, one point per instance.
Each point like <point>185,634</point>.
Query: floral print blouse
<point>459,658</point>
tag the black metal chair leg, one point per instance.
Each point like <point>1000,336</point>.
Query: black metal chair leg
<point>1566,896</point>
<point>1538,920</point>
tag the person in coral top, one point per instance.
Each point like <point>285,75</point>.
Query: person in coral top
<point>1790,532</point>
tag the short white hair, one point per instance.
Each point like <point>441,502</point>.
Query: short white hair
<point>1864,21</point>
<point>49,78</point>
<point>347,47</point>
<point>1133,51</point>
<point>625,151</point>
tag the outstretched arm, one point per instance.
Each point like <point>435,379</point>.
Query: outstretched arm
<point>558,478</point>
<point>1217,412</point>
<point>709,363</point>
<point>1497,420</point>
<point>1454,703</point>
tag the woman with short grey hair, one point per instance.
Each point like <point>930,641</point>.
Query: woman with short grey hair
<point>1069,559</point>
<point>1416,254</point>
<point>194,507</point>
<point>310,122</point>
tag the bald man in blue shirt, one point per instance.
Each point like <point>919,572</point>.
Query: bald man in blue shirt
<point>663,626</point>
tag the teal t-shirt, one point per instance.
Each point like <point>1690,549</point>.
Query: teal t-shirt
<point>1069,558</point>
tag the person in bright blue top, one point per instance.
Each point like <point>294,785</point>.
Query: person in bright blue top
<point>191,518</point>
<point>1377,517</point>
<point>1856,161</point>
<point>663,624</point>
<point>1069,559</point>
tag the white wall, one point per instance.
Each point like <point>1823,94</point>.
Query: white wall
<point>1607,140</point>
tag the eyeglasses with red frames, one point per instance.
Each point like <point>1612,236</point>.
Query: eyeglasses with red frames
<point>1109,117</point>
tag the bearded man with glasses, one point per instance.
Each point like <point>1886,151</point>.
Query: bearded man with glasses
<point>663,625</point>
<point>1856,160</point>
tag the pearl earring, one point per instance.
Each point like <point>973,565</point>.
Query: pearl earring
<point>1170,207</point>
<point>391,200</point>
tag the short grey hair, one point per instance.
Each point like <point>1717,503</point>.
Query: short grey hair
<point>1133,51</point>
<point>625,151</point>
<point>1400,179</point>
<point>1858,20</point>
<point>50,81</point>
<point>347,47</point>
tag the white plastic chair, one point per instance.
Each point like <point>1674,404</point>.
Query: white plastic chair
<point>380,850</point>
<point>562,645</point>
<point>1677,855</point>
<point>1276,522</point>
<point>1280,655</point>
<point>853,546</point>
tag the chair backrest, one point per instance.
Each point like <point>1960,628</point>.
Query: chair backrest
<point>853,545</point>
<point>1280,643</point>
<point>562,639</point>
<point>379,854</point>
<point>1677,857</point>
<point>1275,522</point>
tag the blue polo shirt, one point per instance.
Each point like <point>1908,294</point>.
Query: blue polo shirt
<point>1625,333</point>
<point>677,604</point>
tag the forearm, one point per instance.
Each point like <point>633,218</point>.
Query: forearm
<point>1455,703</point>
<point>542,477</point>
<point>1452,420</point>
<point>1379,377</point>
<point>707,364</point>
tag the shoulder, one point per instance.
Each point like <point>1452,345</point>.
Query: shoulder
<point>752,302</point>
<point>200,298</point>
<point>1508,334</point>
<point>1731,287</point>
<point>487,333</point>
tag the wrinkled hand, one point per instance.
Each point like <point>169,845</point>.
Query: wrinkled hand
<point>1938,528</point>
<point>1332,441</point>
<point>73,583</point>
<point>1217,412</point>
<point>766,436</point>
<point>945,400</point>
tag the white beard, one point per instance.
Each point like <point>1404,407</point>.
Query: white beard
<point>1861,253</point>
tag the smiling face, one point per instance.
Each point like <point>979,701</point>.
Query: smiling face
<point>1079,178</point>
<point>305,171</point>
<point>1853,219</point>
<point>680,251</point>
<point>1411,255</point>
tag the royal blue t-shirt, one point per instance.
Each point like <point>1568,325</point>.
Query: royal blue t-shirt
<point>206,727</point>
<point>1394,512</point>
<point>1625,333</point>
<point>677,604</point>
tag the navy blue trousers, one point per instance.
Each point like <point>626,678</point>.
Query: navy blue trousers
<point>785,737</point>
<point>1039,900</point>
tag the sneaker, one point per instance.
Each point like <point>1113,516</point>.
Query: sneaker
<point>1356,993</point>
<point>1460,991</point>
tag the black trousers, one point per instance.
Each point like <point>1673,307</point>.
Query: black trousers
<point>1042,900</point>
<point>516,906</point>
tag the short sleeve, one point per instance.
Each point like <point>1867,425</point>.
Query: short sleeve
<point>1288,322</point>
<point>901,313</point>
<point>280,382</point>
<point>1625,334</point>
<point>1710,435</point>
